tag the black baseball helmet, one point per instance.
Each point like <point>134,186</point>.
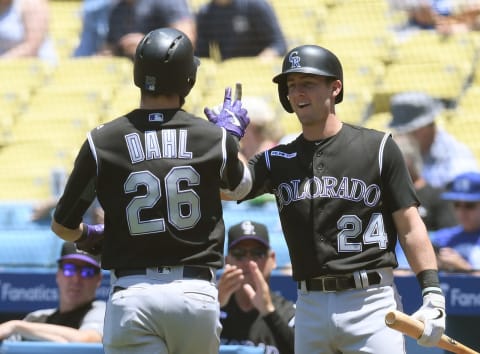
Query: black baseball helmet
<point>164,63</point>
<point>308,59</point>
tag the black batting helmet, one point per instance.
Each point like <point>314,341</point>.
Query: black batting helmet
<point>164,63</point>
<point>308,59</point>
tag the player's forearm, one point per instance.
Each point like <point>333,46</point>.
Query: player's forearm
<point>65,233</point>
<point>419,252</point>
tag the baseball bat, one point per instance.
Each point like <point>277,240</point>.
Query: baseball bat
<point>238,92</point>
<point>414,328</point>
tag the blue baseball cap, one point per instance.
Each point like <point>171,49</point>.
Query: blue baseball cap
<point>465,187</point>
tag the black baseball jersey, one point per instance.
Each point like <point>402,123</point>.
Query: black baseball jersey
<point>157,175</point>
<point>336,198</point>
<point>274,331</point>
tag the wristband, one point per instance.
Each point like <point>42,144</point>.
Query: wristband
<point>429,282</point>
<point>89,231</point>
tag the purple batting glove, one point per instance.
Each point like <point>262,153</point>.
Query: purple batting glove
<point>232,117</point>
<point>91,240</point>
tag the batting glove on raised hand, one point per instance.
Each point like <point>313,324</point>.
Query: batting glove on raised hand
<point>432,314</point>
<point>91,240</point>
<point>232,117</point>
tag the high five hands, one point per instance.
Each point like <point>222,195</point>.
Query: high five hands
<point>232,116</point>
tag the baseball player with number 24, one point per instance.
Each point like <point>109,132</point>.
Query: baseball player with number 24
<point>345,199</point>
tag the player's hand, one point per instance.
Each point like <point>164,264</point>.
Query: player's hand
<point>432,314</point>
<point>91,240</point>
<point>230,281</point>
<point>260,296</point>
<point>233,117</point>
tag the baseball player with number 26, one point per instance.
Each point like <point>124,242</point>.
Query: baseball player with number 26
<point>157,173</point>
<point>343,195</point>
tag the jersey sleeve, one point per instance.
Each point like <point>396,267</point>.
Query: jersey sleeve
<point>79,191</point>
<point>260,172</point>
<point>233,172</point>
<point>397,183</point>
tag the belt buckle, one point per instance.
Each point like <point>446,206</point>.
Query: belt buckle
<point>324,286</point>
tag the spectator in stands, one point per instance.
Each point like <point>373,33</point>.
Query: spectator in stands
<point>436,212</point>
<point>446,17</point>
<point>239,28</point>
<point>251,314</point>
<point>130,20</point>
<point>444,157</point>
<point>263,132</point>
<point>79,317</point>
<point>459,246</point>
<point>95,15</point>
<point>24,30</point>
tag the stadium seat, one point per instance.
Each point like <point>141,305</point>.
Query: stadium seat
<point>65,25</point>
<point>56,100</point>
<point>466,128</point>
<point>430,47</point>
<point>20,248</point>
<point>378,121</point>
<point>355,107</point>
<point>62,129</point>
<point>27,74</point>
<point>350,47</point>
<point>92,72</point>
<point>254,74</point>
<point>6,133</point>
<point>348,18</point>
<point>299,20</point>
<point>440,80</point>
<point>13,99</point>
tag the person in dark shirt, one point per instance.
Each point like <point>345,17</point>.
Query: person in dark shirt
<point>436,212</point>
<point>79,316</point>
<point>251,314</point>
<point>238,28</point>
<point>130,20</point>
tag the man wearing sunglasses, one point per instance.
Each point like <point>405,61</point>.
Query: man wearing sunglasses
<point>459,246</point>
<point>78,317</point>
<point>251,314</point>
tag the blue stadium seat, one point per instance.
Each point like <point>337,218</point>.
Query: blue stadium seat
<point>29,248</point>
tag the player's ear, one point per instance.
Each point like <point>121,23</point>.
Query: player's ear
<point>336,87</point>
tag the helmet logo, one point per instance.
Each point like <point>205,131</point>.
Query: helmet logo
<point>294,59</point>
<point>150,83</point>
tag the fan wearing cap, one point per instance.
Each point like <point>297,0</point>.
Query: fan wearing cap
<point>444,157</point>
<point>459,246</point>
<point>79,316</point>
<point>251,314</point>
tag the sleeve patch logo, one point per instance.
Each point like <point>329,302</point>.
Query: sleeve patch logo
<point>283,154</point>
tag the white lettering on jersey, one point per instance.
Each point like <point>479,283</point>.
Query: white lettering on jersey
<point>171,147</point>
<point>328,187</point>
<point>283,154</point>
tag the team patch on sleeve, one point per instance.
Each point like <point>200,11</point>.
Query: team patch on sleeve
<point>283,154</point>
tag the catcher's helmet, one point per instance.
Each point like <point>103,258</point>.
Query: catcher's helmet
<point>308,59</point>
<point>164,63</point>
